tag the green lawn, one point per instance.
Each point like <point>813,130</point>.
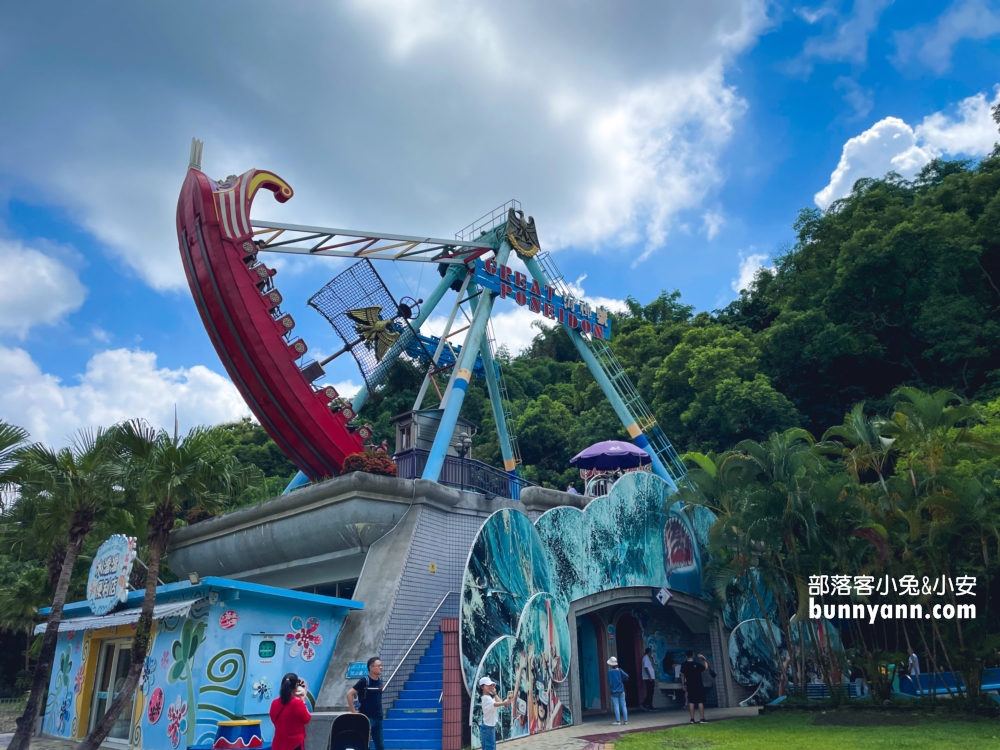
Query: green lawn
<point>834,730</point>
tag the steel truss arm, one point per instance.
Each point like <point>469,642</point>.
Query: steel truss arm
<point>351,243</point>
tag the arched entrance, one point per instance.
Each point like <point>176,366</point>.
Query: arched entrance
<point>624,622</point>
<point>628,635</point>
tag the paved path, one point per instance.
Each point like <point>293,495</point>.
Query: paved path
<point>596,731</point>
<point>45,743</point>
<point>591,735</point>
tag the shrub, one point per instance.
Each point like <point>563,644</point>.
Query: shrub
<point>374,462</point>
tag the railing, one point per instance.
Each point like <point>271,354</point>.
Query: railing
<point>419,635</point>
<point>464,473</point>
<point>487,222</point>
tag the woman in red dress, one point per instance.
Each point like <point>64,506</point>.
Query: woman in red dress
<point>290,715</point>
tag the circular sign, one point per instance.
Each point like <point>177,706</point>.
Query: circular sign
<point>155,707</point>
<point>228,619</point>
<point>108,581</point>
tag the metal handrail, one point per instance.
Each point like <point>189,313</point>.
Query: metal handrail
<point>429,620</point>
<point>465,473</point>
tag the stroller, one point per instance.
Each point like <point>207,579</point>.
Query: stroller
<point>350,732</point>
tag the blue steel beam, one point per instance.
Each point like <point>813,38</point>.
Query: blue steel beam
<point>452,407</point>
<point>489,365</point>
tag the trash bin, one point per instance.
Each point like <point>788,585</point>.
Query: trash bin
<point>350,732</point>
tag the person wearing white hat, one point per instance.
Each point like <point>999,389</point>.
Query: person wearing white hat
<point>488,730</point>
<point>617,679</point>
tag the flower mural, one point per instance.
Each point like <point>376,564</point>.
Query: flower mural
<point>176,721</point>
<point>148,676</point>
<point>303,637</point>
<point>155,708</point>
<point>228,619</point>
<point>262,689</point>
<point>59,685</point>
<point>78,680</point>
<point>183,651</point>
<point>165,659</point>
<point>63,715</point>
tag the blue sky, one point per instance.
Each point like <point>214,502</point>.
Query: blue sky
<point>658,146</point>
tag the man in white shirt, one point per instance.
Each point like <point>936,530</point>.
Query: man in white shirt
<point>914,664</point>
<point>648,680</point>
<point>488,730</point>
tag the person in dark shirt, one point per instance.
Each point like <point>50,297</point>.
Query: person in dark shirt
<point>368,691</point>
<point>691,677</point>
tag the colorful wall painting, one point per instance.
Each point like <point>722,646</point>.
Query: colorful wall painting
<point>196,673</point>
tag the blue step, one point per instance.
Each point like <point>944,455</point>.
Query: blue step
<point>408,714</point>
<point>414,721</point>
<point>430,695</point>
<point>403,702</point>
<point>427,676</point>
<point>412,734</point>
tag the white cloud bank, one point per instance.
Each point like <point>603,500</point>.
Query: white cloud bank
<point>411,117</point>
<point>40,290</point>
<point>891,145</point>
<point>118,384</point>
<point>934,44</point>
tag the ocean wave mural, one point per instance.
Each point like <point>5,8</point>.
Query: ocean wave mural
<point>521,578</point>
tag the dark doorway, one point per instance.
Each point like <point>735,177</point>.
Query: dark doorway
<point>629,638</point>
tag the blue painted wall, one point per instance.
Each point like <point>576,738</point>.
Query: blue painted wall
<point>197,672</point>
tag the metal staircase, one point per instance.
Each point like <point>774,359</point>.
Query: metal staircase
<point>620,381</point>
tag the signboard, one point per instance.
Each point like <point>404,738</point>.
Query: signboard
<point>107,584</point>
<point>543,299</point>
<point>663,595</point>
<point>356,670</point>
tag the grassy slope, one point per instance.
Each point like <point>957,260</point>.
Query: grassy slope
<point>821,732</point>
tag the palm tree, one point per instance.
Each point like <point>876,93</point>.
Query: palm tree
<point>12,440</point>
<point>169,476</point>
<point>860,443</point>
<point>74,490</point>
<point>19,605</point>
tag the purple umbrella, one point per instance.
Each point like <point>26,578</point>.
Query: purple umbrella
<point>610,455</point>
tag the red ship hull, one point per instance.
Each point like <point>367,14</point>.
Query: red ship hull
<point>235,297</point>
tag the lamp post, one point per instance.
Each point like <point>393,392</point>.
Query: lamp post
<point>464,446</point>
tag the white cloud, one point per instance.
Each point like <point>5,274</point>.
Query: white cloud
<point>892,145</point>
<point>41,289</point>
<point>411,117</point>
<point>712,223</point>
<point>750,266</point>
<point>848,40</point>
<point>861,99</point>
<point>347,389</point>
<point>933,44</point>
<point>812,15</point>
<point>972,132</point>
<point>118,384</point>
